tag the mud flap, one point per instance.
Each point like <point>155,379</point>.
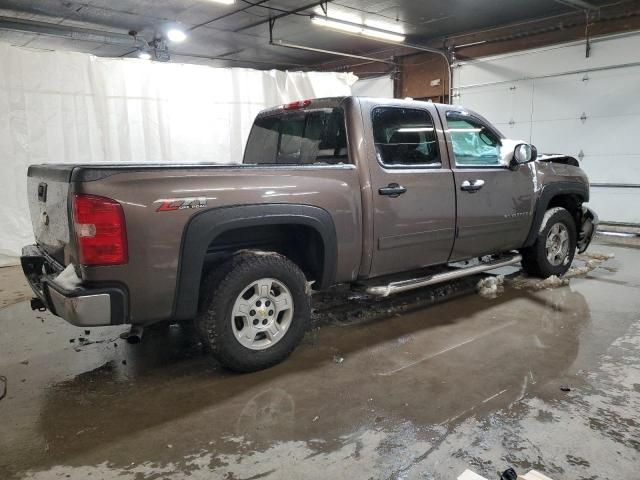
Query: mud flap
<point>587,228</point>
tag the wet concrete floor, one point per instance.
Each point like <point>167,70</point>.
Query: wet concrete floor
<point>399,388</point>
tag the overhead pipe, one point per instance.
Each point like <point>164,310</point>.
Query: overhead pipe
<point>280,43</point>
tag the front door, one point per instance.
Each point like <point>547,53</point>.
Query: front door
<point>413,190</point>
<point>494,202</point>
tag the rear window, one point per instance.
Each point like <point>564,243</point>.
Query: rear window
<point>298,138</point>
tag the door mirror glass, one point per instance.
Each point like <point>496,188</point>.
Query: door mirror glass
<point>524,153</point>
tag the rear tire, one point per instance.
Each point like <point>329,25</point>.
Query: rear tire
<point>254,310</point>
<point>555,245</point>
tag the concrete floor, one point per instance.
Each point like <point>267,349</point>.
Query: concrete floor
<point>419,386</point>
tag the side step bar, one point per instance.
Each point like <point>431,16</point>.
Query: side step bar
<point>413,283</point>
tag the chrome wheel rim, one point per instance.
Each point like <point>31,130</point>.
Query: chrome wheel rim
<point>557,245</point>
<point>262,314</point>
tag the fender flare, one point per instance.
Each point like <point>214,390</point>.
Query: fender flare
<point>205,226</point>
<point>547,194</point>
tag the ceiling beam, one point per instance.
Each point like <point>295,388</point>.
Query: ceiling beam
<point>282,15</point>
<point>228,14</point>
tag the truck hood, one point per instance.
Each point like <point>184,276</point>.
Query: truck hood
<point>558,158</point>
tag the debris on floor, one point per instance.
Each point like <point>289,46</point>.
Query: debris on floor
<point>490,287</point>
<point>531,475</point>
<point>509,474</point>
<point>3,386</point>
<point>583,264</point>
<point>469,475</point>
<point>338,359</point>
<point>598,255</point>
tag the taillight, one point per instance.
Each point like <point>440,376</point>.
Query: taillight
<point>101,233</point>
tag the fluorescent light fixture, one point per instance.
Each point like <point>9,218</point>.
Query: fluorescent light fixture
<point>357,28</point>
<point>393,37</point>
<point>386,26</point>
<point>176,35</point>
<point>336,24</point>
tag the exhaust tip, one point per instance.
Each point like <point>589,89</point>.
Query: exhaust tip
<point>134,335</point>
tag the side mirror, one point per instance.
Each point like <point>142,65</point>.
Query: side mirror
<point>524,153</point>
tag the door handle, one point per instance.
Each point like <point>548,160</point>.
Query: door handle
<point>392,190</point>
<point>472,186</point>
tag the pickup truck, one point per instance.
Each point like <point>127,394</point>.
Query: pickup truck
<point>384,195</point>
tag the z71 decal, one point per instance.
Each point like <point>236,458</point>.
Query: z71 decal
<point>171,204</point>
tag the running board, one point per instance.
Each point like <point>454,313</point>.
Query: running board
<point>413,283</point>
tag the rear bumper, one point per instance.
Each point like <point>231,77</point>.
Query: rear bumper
<point>83,307</point>
<point>587,228</point>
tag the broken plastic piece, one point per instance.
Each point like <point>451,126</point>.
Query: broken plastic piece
<point>509,474</point>
<point>68,279</point>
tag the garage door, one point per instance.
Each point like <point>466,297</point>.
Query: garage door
<point>563,102</point>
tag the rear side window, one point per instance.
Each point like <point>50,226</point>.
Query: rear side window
<point>405,137</point>
<point>298,138</point>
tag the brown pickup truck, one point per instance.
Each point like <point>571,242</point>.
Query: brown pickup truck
<point>385,195</point>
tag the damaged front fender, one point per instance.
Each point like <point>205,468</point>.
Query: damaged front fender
<point>587,228</point>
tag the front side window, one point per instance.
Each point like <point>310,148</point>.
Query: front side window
<point>473,143</point>
<point>298,138</point>
<point>404,137</point>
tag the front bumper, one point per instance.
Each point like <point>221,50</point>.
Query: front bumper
<point>587,228</point>
<point>83,307</point>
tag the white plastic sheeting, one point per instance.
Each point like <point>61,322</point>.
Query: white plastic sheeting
<point>64,107</point>
<point>381,87</point>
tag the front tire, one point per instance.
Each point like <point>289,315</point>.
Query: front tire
<point>555,245</point>
<point>255,310</point>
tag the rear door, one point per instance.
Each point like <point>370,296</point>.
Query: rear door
<point>494,202</point>
<point>412,186</point>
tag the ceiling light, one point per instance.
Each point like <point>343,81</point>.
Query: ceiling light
<point>176,35</point>
<point>393,37</point>
<point>386,26</point>
<point>336,24</point>
<point>144,55</point>
<point>357,28</point>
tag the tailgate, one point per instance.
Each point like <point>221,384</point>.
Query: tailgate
<point>48,192</point>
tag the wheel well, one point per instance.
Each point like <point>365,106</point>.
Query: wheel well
<point>303,245</point>
<point>571,202</point>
